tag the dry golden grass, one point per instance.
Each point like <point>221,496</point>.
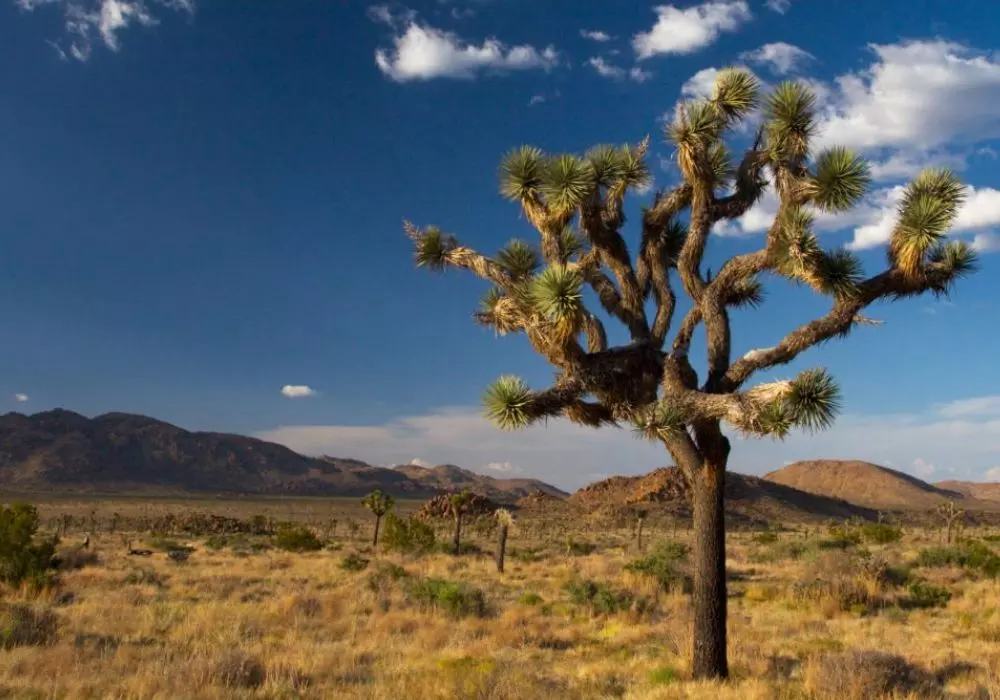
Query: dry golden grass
<point>275,625</point>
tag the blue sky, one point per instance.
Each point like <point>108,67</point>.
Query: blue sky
<point>202,204</point>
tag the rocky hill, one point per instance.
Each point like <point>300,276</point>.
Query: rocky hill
<point>448,477</point>
<point>863,483</point>
<point>64,452</point>
<point>748,498</point>
<point>988,492</point>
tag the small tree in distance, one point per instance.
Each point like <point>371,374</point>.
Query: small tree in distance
<point>458,505</point>
<point>576,206</point>
<point>379,504</point>
<point>505,520</point>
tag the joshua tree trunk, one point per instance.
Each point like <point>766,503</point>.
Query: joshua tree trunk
<point>638,535</point>
<point>502,548</point>
<point>458,535</point>
<point>378,521</point>
<point>709,572</point>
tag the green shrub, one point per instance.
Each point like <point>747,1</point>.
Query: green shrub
<point>836,543</point>
<point>661,564</point>
<point>22,559</point>
<point>410,536</point>
<point>847,531</point>
<point>530,598</point>
<point>525,554</point>
<point>76,558</point>
<point>143,577</point>
<point>934,557</point>
<point>971,555</point>
<point>296,538</point>
<point>766,537</point>
<point>663,675</point>
<point>21,625</point>
<point>880,533</point>
<point>354,562</point>
<point>779,551</point>
<point>598,597</point>
<point>163,544</point>
<point>924,595</point>
<point>456,599</point>
<point>464,548</point>
<point>579,549</point>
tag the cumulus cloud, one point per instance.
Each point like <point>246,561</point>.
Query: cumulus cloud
<point>421,52</point>
<point>598,36</point>
<point>961,446</point>
<point>87,21</point>
<point>923,468</point>
<point>779,57</point>
<point>978,406</point>
<point>685,31</point>
<point>21,398</point>
<point>297,391</point>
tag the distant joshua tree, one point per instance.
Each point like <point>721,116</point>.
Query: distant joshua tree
<point>379,504</point>
<point>458,507</point>
<point>577,206</point>
<point>950,514</point>
<point>640,520</point>
<point>505,520</point>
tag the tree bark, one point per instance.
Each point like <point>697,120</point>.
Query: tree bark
<point>710,659</point>
<point>378,521</point>
<point>458,535</point>
<point>501,548</point>
<point>639,535</point>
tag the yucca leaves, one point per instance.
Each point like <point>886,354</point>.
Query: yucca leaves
<point>606,163</point>
<point>796,250</point>
<point>926,212</point>
<point>521,173</point>
<point>838,272</point>
<point>790,114</point>
<point>840,179</point>
<point>570,242</point>
<point>735,93</point>
<point>957,259</point>
<point>813,400</point>
<point>498,311</point>
<point>746,293</point>
<point>566,182</point>
<point>659,421</point>
<point>518,259</point>
<point>775,420</point>
<point>432,248</point>
<point>557,293</point>
<point>696,126</point>
<point>721,165</point>
<point>633,169</point>
<point>672,239</point>
<point>506,402</point>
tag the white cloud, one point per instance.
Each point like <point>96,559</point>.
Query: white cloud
<point>684,31</point>
<point>779,6</point>
<point>986,242</point>
<point>903,165</point>
<point>503,467</point>
<point>782,58</point>
<point>979,406</point>
<point>918,95</point>
<point>88,20</point>
<point>992,474</point>
<point>923,468</point>
<point>21,398</point>
<point>423,53</point>
<point>417,462</point>
<point>639,75</point>
<point>570,455</point>
<point>297,391</point>
<point>609,70</point>
<point>595,35</point>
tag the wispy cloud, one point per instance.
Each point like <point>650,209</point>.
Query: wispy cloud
<point>685,31</point>
<point>960,446</point>
<point>606,69</point>
<point>422,52</point>
<point>779,6</point>
<point>779,57</point>
<point>88,21</point>
<point>297,391</point>
<point>598,36</point>
<point>21,398</point>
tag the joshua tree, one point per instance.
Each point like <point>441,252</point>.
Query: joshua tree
<point>504,522</point>
<point>458,506</point>
<point>577,204</point>
<point>640,520</point>
<point>379,504</point>
<point>950,514</point>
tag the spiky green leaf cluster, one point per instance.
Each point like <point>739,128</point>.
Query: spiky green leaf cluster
<point>606,164</point>
<point>566,182</point>
<point>697,124</point>
<point>814,400</point>
<point>634,171</point>
<point>721,165</point>
<point>521,172</point>
<point>747,293</point>
<point>838,272</point>
<point>557,293</point>
<point>659,421</point>
<point>958,260</point>
<point>432,248</point>
<point>518,259</point>
<point>570,242</point>
<point>926,212</point>
<point>796,250</point>
<point>672,242</point>
<point>735,93</point>
<point>840,179</point>
<point>790,114</point>
<point>506,402</point>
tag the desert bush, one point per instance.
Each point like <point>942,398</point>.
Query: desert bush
<point>456,599</point>
<point>662,564</point>
<point>143,577</point>
<point>577,548</point>
<point>163,544</point>
<point>22,625</point>
<point>385,575</point>
<point>971,555</point>
<point>22,558</point>
<point>766,537</point>
<point>531,599</point>
<point>880,533</point>
<point>75,558</point>
<point>846,531</point>
<point>836,543</point>
<point>601,599</point>
<point>296,538</point>
<point>924,595</point>
<point>779,551</point>
<point>663,675</point>
<point>525,554</point>
<point>354,562</point>
<point>870,675</point>
<point>410,536</point>
<point>464,548</point>
<point>237,669</point>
